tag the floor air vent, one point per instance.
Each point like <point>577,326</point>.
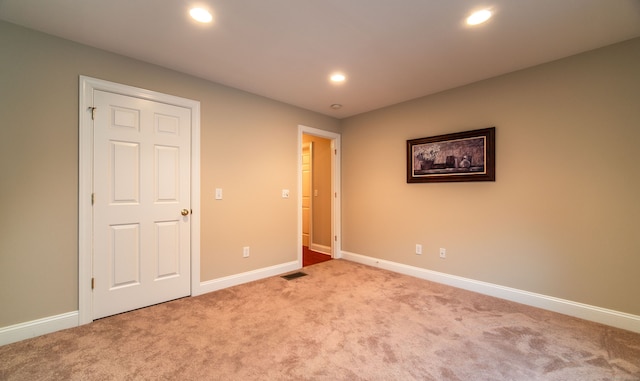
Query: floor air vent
<point>294,275</point>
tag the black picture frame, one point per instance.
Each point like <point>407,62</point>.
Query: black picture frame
<point>460,156</point>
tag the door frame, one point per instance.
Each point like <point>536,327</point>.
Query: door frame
<point>336,246</point>
<point>87,85</point>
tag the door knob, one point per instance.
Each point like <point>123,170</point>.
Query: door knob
<point>184,212</point>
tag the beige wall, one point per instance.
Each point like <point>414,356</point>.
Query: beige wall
<point>561,219</point>
<point>248,145</point>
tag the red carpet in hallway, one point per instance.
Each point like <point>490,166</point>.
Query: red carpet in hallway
<point>310,257</point>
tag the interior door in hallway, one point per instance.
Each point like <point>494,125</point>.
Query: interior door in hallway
<point>307,149</point>
<point>141,226</point>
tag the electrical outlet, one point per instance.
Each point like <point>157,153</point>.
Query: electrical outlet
<point>418,248</point>
<point>443,252</point>
<point>245,252</point>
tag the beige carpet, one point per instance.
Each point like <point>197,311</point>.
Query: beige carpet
<point>343,321</point>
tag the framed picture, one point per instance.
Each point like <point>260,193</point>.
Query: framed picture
<point>461,156</point>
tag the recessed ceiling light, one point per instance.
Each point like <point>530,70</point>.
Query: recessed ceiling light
<point>479,17</point>
<point>201,15</point>
<point>338,77</point>
<point>336,106</point>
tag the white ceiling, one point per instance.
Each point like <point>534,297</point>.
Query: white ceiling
<point>390,50</point>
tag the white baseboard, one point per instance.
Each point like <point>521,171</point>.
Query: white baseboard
<point>583,311</point>
<point>250,276</point>
<point>27,330</point>
<point>320,248</point>
<point>609,317</point>
<point>39,327</point>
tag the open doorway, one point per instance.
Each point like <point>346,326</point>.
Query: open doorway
<point>319,157</point>
<point>316,199</point>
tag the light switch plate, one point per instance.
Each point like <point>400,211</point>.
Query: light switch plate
<point>218,193</point>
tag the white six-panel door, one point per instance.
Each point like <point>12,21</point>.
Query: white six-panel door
<point>141,227</point>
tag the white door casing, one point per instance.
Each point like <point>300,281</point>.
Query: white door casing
<point>145,171</point>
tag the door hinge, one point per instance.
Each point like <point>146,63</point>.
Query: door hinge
<point>335,151</point>
<point>335,238</point>
<point>93,198</point>
<point>93,113</point>
<point>93,283</point>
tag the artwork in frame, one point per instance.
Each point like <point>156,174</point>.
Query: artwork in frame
<point>461,156</point>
